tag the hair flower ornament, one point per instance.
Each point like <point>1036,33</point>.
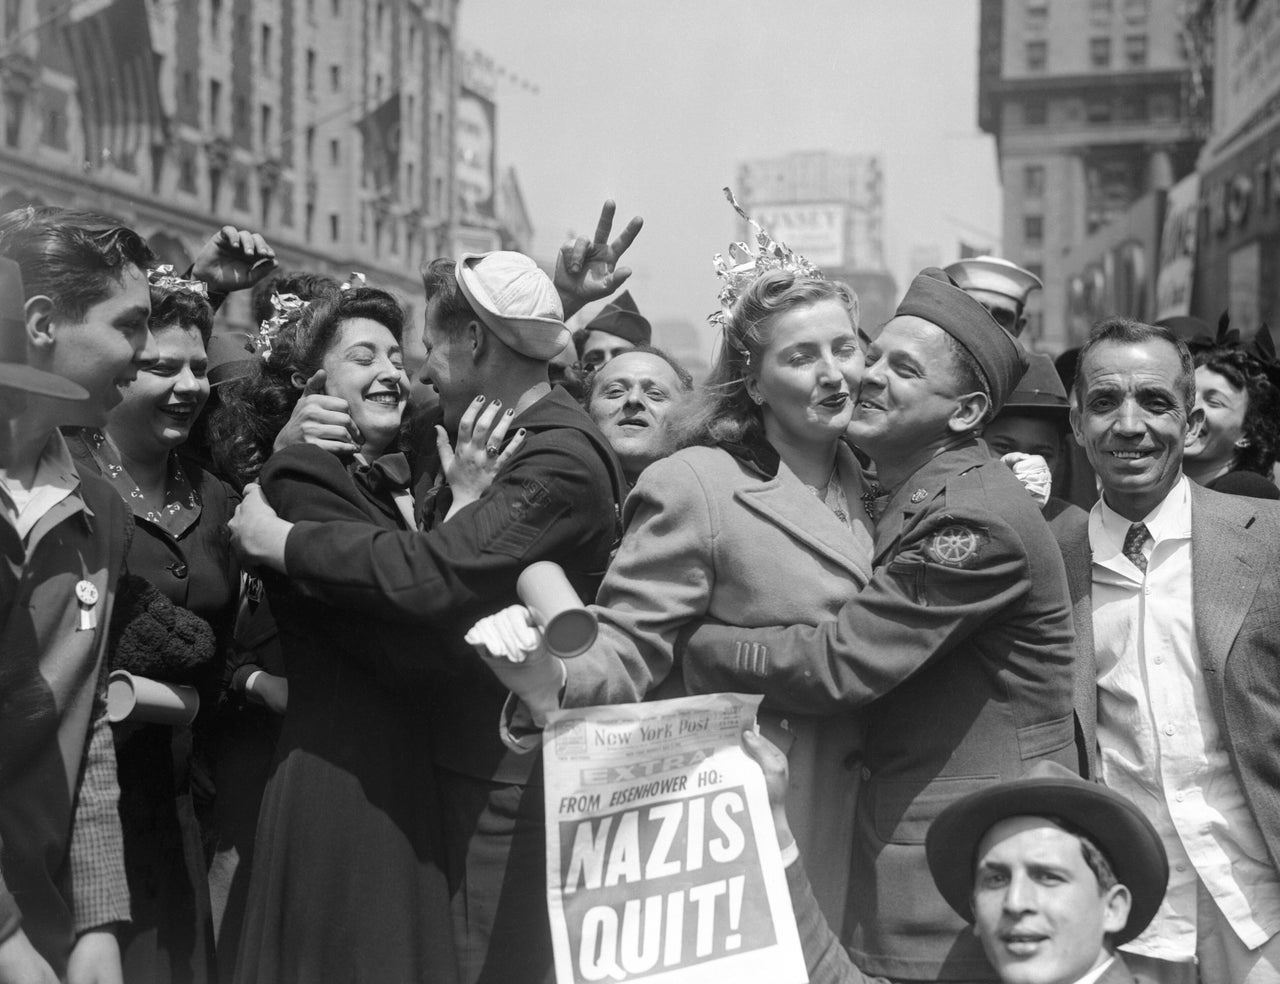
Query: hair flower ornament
<point>743,264</point>
<point>164,278</point>
<point>358,279</point>
<point>287,308</point>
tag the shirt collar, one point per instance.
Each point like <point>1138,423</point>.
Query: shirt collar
<point>1169,520</point>
<point>1097,973</point>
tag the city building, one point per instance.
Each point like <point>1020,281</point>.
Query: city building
<point>326,125</point>
<point>830,208</point>
<point>1235,237</point>
<point>1093,104</point>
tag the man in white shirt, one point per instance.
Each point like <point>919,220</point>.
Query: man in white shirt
<point>1176,591</point>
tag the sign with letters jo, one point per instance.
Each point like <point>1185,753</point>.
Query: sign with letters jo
<point>662,861</point>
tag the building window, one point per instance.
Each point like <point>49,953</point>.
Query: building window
<point>240,117</point>
<point>187,169</point>
<point>215,104</point>
<point>1037,13</point>
<point>1037,56</point>
<point>1098,111</point>
<point>1033,180</point>
<point>267,61</point>
<point>1100,52</point>
<point>13,112</point>
<point>1136,10</point>
<point>337,8</point>
<point>240,193</point>
<point>311,72</point>
<point>1135,51</point>
<point>1131,109</point>
<point>1033,230</point>
<point>265,121</point>
<point>335,77</point>
<point>53,128</point>
<point>335,153</point>
<point>215,18</point>
<point>1035,111</point>
<point>334,226</point>
<point>310,146</point>
<point>189,87</point>
<point>308,218</point>
<point>1100,11</point>
<point>380,23</point>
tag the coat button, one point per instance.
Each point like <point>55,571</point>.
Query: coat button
<point>178,570</point>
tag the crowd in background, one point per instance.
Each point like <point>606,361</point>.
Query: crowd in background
<point>946,563</point>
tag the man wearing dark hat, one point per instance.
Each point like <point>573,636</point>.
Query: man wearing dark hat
<point>1052,871</point>
<point>1176,589</point>
<point>493,323</point>
<point>1034,420</point>
<point>617,328</point>
<point>958,651</point>
<point>999,286</point>
<point>78,333</point>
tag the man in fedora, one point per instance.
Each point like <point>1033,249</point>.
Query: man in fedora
<point>1053,873</point>
<point>493,322</point>
<point>66,344</point>
<point>999,286</point>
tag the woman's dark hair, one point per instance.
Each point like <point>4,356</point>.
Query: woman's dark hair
<point>1262,407</point>
<point>255,409</point>
<point>305,283</point>
<point>723,409</point>
<point>72,257</point>
<point>184,308</point>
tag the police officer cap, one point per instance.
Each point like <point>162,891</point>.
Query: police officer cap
<point>15,373</point>
<point>515,300</point>
<point>621,317</point>
<point>935,297</point>
<point>996,275</point>
<point>1118,828</point>
<point>1040,389</point>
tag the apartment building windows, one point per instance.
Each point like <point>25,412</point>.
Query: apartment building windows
<point>1033,180</point>
<point>1033,230</point>
<point>1135,51</point>
<point>1100,52</point>
<point>1037,54</point>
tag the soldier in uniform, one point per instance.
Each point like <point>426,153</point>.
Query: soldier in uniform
<point>493,322</point>
<point>999,286</point>
<point>618,328</point>
<point>959,649</point>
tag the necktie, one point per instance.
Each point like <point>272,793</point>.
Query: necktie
<point>1134,541</point>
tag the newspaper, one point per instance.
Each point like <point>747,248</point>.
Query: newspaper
<point>662,861</point>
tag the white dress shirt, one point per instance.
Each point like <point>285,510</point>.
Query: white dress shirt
<point>1159,737</point>
<point>55,479</point>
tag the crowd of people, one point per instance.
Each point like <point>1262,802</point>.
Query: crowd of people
<point>1016,623</point>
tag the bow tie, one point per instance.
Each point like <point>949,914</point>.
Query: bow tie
<point>389,473</point>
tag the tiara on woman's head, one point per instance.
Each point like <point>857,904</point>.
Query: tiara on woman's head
<point>164,278</point>
<point>288,307</point>
<point>742,265</point>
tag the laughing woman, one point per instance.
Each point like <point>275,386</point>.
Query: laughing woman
<point>347,883</point>
<point>760,522</point>
<point>180,546</point>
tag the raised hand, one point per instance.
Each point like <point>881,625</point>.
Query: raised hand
<point>479,455</point>
<point>233,259</point>
<point>587,269</point>
<point>320,419</point>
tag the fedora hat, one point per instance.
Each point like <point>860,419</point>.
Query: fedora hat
<point>1112,822</point>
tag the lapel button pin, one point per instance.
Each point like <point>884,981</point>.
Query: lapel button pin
<point>918,495</point>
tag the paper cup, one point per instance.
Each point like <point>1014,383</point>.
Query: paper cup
<point>137,698</point>
<point>567,627</point>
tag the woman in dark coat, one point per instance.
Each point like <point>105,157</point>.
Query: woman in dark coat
<point>347,882</point>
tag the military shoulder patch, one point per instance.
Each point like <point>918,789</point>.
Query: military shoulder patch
<point>955,546</point>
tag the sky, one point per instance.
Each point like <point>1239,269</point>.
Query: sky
<point>655,103</point>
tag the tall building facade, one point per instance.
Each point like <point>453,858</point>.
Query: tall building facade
<point>830,208</point>
<point>327,125</point>
<point>1093,104</point>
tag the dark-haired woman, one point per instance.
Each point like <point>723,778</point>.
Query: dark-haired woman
<point>180,546</point>
<point>1234,445</point>
<point>347,883</point>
